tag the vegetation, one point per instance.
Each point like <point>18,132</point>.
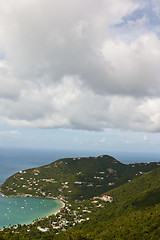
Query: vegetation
<point>133,213</point>
<point>74,178</point>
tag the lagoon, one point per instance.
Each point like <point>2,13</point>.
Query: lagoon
<point>21,210</point>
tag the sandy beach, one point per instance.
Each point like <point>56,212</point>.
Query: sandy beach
<point>63,205</point>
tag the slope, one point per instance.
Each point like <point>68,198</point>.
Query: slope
<point>134,213</point>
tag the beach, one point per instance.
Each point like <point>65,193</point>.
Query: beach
<point>63,205</point>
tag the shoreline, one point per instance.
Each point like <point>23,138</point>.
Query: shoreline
<point>1,194</point>
<point>63,205</point>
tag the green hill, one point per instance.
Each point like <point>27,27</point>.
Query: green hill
<point>74,178</point>
<point>134,213</point>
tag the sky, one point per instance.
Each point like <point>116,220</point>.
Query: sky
<point>80,74</point>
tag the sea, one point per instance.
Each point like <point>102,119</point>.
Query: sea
<point>16,210</point>
<point>25,210</point>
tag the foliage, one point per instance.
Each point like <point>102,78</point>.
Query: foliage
<point>85,178</point>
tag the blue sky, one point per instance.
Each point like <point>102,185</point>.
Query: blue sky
<point>80,75</point>
<point>150,9</point>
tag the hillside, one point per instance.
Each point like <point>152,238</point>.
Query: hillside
<point>134,213</point>
<point>74,178</point>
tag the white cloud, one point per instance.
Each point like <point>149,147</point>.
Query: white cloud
<point>134,68</point>
<point>68,104</point>
<point>10,85</point>
<point>102,140</point>
<point>128,142</point>
<point>10,133</point>
<point>65,66</point>
<point>145,138</point>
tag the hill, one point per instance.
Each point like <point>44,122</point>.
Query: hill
<point>74,178</point>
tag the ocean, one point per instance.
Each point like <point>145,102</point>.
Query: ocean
<point>14,159</point>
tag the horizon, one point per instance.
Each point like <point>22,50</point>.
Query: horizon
<point>46,155</point>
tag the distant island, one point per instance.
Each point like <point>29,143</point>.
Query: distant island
<point>96,191</point>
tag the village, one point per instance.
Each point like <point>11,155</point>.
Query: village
<point>70,215</point>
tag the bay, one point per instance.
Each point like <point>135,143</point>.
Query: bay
<point>18,210</point>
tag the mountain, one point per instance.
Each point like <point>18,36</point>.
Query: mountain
<point>74,178</point>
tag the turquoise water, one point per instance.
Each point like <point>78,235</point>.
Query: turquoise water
<point>24,210</point>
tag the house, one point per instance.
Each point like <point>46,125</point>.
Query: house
<point>111,170</point>
<point>79,183</point>
<point>111,183</point>
<point>107,198</point>
<point>42,229</point>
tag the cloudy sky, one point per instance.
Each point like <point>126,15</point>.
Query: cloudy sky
<point>80,74</point>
